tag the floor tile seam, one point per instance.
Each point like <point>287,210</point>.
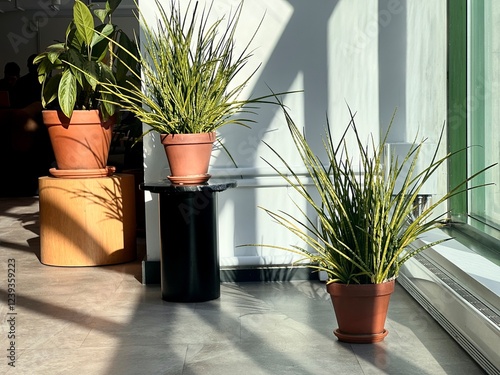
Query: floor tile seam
<point>86,322</point>
<point>184,360</point>
<point>125,343</point>
<point>358,361</point>
<point>86,337</point>
<point>61,329</point>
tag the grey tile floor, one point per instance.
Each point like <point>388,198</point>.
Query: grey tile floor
<point>101,320</point>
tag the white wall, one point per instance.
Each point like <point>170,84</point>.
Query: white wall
<point>374,55</point>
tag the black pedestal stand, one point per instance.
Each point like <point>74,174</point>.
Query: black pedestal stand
<point>190,269</point>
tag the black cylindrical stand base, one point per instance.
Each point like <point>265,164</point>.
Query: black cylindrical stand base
<point>189,254</point>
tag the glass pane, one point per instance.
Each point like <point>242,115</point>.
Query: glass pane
<point>484,109</point>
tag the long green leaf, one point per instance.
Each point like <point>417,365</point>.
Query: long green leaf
<point>84,22</point>
<point>365,226</point>
<point>67,93</point>
<point>189,72</point>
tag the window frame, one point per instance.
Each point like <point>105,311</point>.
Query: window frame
<point>459,64</point>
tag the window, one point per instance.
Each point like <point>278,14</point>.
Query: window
<point>474,110</point>
<point>484,102</point>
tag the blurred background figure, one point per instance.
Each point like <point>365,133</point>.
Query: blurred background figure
<point>25,145</point>
<point>8,83</point>
<point>28,89</point>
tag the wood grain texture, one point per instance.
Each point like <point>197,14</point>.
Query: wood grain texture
<point>87,221</point>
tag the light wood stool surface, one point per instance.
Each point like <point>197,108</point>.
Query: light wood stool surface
<point>87,221</point>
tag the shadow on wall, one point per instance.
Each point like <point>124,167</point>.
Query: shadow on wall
<point>303,51</point>
<point>299,58</point>
<point>392,41</point>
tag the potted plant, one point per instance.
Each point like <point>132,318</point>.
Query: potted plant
<point>79,114</point>
<point>188,67</point>
<point>366,226</point>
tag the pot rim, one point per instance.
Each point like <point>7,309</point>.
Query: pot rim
<point>187,138</point>
<point>79,117</point>
<point>358,290</point>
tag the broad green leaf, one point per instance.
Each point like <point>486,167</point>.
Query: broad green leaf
<point>53,56</point>
<point>129,45</point>
<point>51,53</point>
<point>101,14</point>
<point>74,40</point>
<point>111,5</point>
<point>49,92</point>
<point>84,22</point>
<point>58,47</point>
<point>107,107</point>
<point>91,73</point>
<point>103,32</point>
<point>107,75</point>
<point>79,76</point>
<point>68,29</point>
<point>44,67</point>
<point>77,64</point>
<point>66,93</point>
<point>124,61</point>
<point>40,58</point>
<point>75,58</point>
<point>100,45</point>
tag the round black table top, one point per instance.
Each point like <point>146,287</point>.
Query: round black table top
<point>165,186</point>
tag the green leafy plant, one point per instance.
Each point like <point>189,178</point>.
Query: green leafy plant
<point>188,66</point>
<point>71,71</point>
<point>366,225</point>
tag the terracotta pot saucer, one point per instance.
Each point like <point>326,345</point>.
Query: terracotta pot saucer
<point>190,180</point>
<point>360,339</point>
<point>82,173</point>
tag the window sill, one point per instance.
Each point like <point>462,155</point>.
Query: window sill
<point>460,288</point>
<point>468,262</point>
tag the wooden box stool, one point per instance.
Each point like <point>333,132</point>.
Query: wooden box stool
<point>87,221</point>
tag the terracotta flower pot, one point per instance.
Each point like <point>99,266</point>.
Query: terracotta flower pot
<point>80,143</point>
<point>361,311</point>
<point>188,156</point>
